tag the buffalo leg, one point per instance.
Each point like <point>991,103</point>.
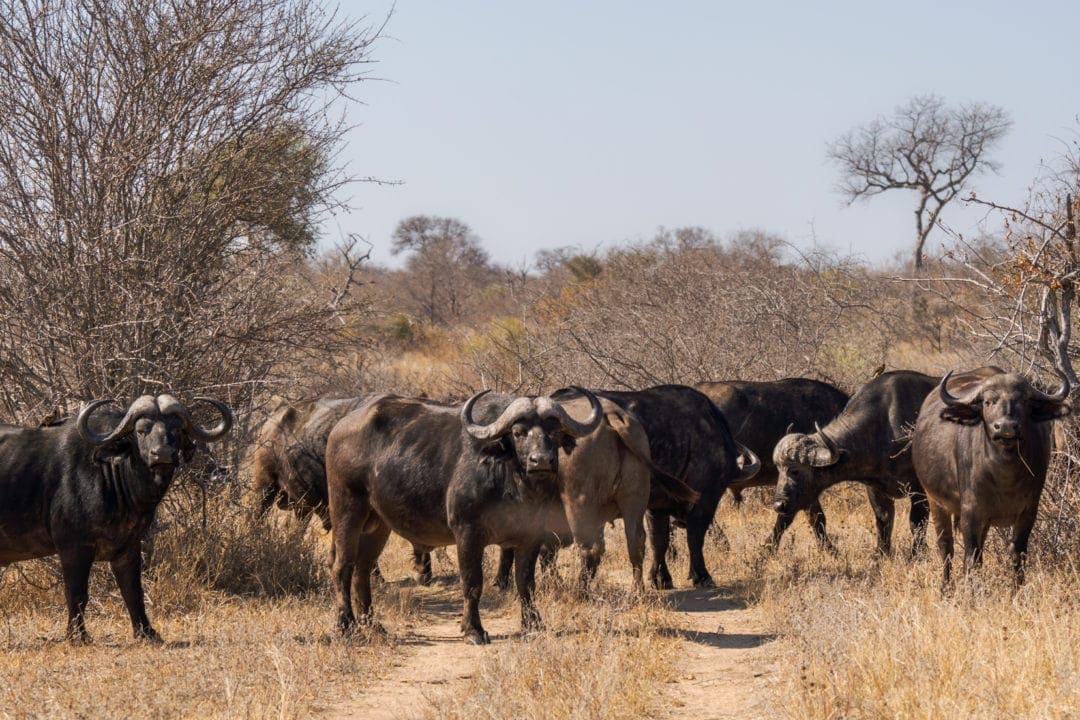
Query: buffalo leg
<point>506,567</point>
<point>347,539</point>
<point>920,513</point>
<point>127,569</point>
<point>549,555</point>
<point>974,531</point>
<point>634,527</point>
<point>783,522</point>
<point>421,565</point>
<point>470,550</point>
<point>367,555</point>
<point>659,526</point>
<point>1018,546</point>
<point>884,515</point>
<point>816,516</point>
<point>588,530</point>
<point>696,525</point>
<point>943,526</point>
<point>525,582</point>
<point>75,564</point>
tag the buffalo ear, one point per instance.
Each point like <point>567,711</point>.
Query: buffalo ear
<point>187,448</point>
<point>1044,410</point>
<point>962,413</point>
<point>117,448</point>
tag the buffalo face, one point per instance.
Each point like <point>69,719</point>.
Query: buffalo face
<point>535,429</point>
<point>161,430</point>
<point>1004,404</point>
<point>797,456</point>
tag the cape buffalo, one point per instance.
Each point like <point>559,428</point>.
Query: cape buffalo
<point>866,443</point>
<point>688,440</point>
<point>981,449</point>
<point>288,464</point>
<point>607,474</point>
<point>760,413</point>
<point>438,477</point>
<point>68,489</point>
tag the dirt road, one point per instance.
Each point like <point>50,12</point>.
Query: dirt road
<point>725,663</point>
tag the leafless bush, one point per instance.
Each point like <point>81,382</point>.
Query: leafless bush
<point>161,168</point>
<point>684,308</point>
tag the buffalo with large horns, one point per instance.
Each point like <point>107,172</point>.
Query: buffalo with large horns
<point>867,443</point>
<point>760,414</point>
<point>689,442</point>
<point>437,476</point>
<point>981,449</point>
<point>88,492</point>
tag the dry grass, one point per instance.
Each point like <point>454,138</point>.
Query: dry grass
<point>245,614</point>
<point>864,637</point>
<point>860,637</point>
<point>604,656</point>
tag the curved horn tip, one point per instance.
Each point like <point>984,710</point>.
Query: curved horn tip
<point>82,423</point>
<point>944,393</point>
<point>219,430</point>
<point>517,409</point>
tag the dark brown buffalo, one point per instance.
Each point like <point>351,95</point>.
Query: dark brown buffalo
<point>760,413</point>
<point>437,476</point>
<point>981,449</point>
<point>288,464</point>
<point>866,443</point>
<point>87,489</point>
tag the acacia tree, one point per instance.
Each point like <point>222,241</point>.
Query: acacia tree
<point>445,265</point>
<point>162,167</point>
<point>923,146</point>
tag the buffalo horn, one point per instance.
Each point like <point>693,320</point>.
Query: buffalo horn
<point>547,407</point>
<point>833,455</point>
<point>749,463</point>
<point>1059,396</point>
<point>516,410</point>
<point>171,406</point>
<point>143,404</point>
<point>951,401</point>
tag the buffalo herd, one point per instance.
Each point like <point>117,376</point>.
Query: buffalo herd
<point>533,473</point>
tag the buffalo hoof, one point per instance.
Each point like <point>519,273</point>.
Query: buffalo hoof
<point>705,582</point>
<point>827,546</point>
<point>477,637</point>
<point>532,624</point>
<point>423,578</point>
<point>662,583</point>
<point>80,639</point>
<point>149,635</point>
<point>377,576</point>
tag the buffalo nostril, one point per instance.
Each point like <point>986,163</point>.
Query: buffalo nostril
<point>778,506</point>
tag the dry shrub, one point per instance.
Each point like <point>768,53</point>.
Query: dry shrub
<point>232,554</point>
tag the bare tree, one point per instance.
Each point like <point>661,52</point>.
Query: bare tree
<point>162,166</point>
<point>445,265</point>
<point>923,146</point>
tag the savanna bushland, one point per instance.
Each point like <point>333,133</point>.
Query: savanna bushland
<point>163,235</point>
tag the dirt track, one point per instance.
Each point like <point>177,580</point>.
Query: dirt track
<point>725,663</point>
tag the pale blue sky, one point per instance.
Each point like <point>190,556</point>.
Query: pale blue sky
<point>558,123</point>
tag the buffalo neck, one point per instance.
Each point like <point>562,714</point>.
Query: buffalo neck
<point>132,486</point>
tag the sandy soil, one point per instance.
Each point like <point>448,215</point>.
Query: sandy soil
<point>724,672</point>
